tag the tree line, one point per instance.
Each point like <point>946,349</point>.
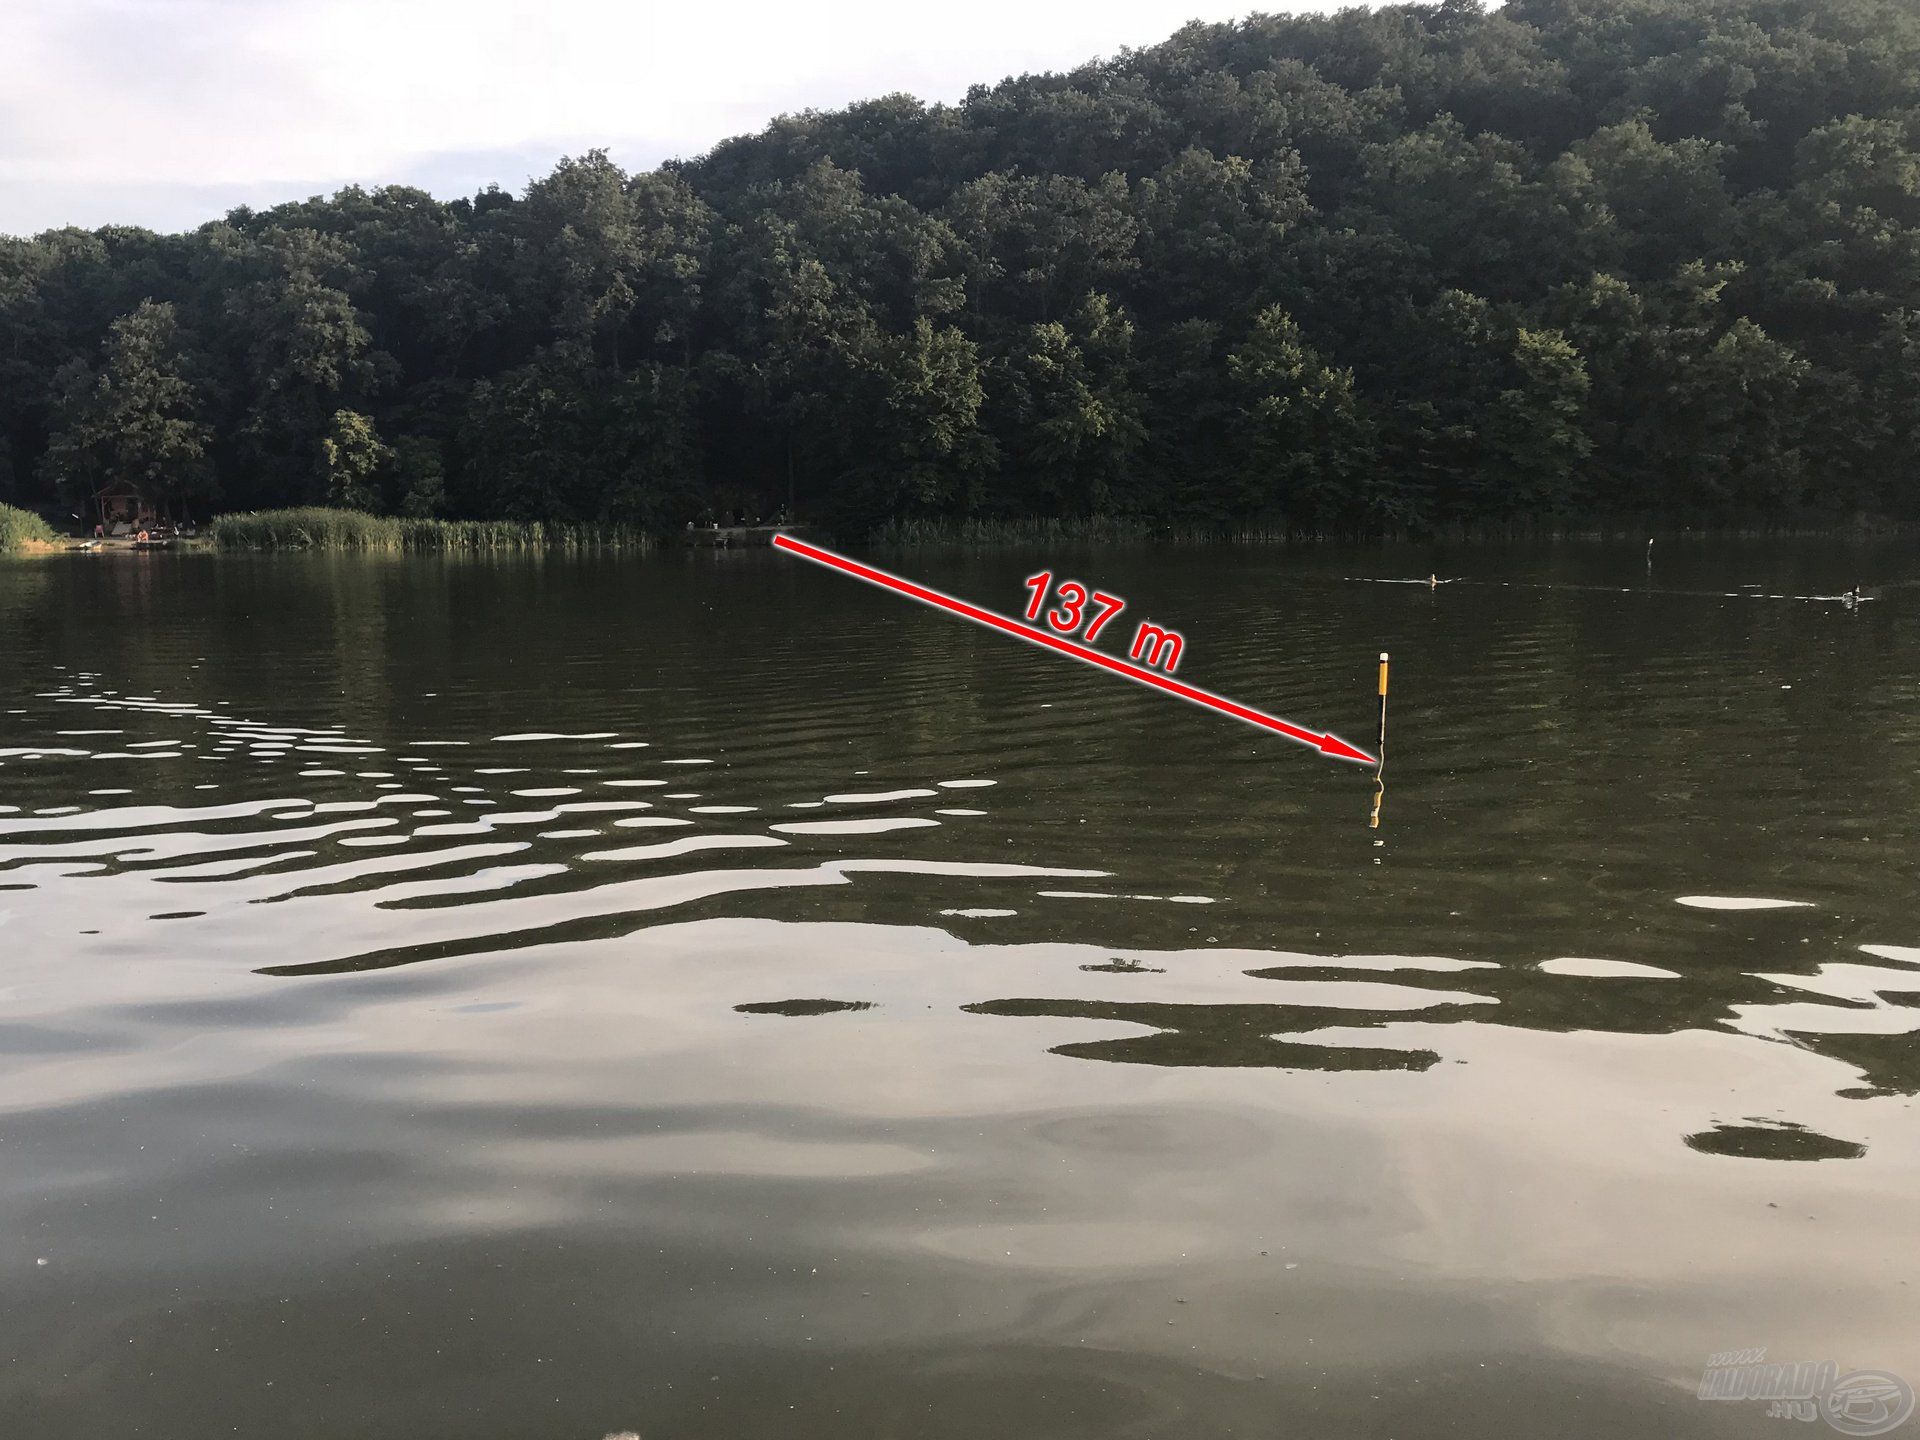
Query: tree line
<point>1377,271</point>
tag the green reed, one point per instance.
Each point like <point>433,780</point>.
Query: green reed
<point>18,527</point>
<point>318,528</point>
<point>1081,530</point>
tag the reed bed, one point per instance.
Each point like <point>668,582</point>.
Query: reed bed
<point>318,528</point>
<point>20,527</point>
<point>915,534</point>
<point>1087,530</point>
<point>918,533</point>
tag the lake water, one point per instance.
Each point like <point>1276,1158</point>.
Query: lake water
<point>710,997</point>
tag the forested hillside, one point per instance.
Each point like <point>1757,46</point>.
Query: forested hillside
<point>1634,260</point>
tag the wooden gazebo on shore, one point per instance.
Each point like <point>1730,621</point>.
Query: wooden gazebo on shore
<point>123,507</point>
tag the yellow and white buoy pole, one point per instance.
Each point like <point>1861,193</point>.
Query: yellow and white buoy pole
<point>1380,750</point>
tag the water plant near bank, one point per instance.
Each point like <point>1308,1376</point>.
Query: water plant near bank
<point>320,528</point>
<point>19,527</point>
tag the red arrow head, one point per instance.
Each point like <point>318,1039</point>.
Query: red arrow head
<point>1333,745</point>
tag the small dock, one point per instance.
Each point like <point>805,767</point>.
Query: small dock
<point>122,545</point>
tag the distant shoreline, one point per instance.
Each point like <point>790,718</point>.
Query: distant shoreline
<point>325,531</point>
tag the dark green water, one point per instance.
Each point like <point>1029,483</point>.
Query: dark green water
<point>709,997</point>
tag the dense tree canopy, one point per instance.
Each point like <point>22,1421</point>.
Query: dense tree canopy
<point>1387,269</point>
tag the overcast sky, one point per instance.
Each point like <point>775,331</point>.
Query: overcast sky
<point>168,112</point>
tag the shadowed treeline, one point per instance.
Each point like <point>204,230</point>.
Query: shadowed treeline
<point>1398,269</point>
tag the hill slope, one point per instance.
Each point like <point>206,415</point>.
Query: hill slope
<point>1379,270</point>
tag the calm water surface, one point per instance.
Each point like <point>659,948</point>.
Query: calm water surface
<point>708,997</point>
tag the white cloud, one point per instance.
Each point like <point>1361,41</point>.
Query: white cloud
<point>164,112</point>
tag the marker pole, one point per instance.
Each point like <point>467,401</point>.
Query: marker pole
<point>1380,751</point>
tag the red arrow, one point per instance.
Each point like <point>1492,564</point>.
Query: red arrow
<point>1326,744</point>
